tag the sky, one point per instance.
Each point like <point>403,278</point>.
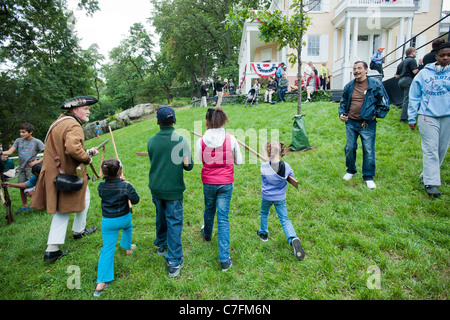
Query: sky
<point>108,26</point>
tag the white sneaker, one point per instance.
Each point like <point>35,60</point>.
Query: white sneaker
<point>348,176</point>
<point>371,184</point>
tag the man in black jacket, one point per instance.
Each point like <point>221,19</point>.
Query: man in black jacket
<point>270,89</point>
<point>406,71</point>
<point>218,86</point>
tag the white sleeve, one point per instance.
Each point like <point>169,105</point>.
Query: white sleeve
<point>199,149</point>
<point>236,151</point>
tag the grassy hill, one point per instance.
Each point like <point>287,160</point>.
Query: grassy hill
<point>347,230</point>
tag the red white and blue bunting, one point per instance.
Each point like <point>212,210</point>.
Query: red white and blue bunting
<point>265,70</point>
<point>243,76</point>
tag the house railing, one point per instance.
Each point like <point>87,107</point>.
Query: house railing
<point>407,43</point>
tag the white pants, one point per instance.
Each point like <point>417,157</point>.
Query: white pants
<point>268,93</point>
<point>435,134</point>
<point>60,221</point>
<point>219,98</point>
<point>203,102</point>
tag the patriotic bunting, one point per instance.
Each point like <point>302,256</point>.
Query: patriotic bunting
<point>265,70</point>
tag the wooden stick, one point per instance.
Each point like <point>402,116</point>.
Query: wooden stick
<point>290,179</point>
<point>117,157</point>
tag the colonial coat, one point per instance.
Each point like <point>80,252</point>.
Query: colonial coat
<point>68,137</point>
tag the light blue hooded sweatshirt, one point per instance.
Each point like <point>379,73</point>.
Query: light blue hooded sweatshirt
<point>274,186</point>
<point>429,93</point>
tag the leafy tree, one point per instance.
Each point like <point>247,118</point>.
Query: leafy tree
<point>194,35</point>
<point>129,66</point>
<point>42,60</point>
<point>286,31</point>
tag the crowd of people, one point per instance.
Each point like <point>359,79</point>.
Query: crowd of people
<point>364,100</point>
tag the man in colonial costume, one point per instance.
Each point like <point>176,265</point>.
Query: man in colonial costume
<point>64,153</point>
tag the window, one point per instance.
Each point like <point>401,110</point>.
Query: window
<point>266,55</point>
<point>315,5</point>
<point>314,45</point>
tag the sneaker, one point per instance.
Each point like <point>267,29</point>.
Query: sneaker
<point>174,270</point>
<point>202,231</point>
<point>23,209</point>
<point>432,191</point>
<point>298,249</point>
<point>161,250</point>
<point>226,265</point>
<point>307,100</point>
<point>371,184</point>
<point>348,176</point>
<point>264,237</point>
<point>85,232</point>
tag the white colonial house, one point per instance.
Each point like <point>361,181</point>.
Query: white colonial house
<point>344,31</point>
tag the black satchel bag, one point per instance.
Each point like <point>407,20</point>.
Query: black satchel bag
<point>64,182</point>
<point>68,182</point>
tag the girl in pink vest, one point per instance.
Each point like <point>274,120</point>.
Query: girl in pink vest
<point>219,152</point>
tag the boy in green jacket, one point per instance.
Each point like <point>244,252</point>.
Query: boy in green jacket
<point>169,155</point>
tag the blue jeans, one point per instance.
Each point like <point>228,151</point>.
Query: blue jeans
<point>281,93</point>
<point>280,207</point>
<point>217,198</point>
<point>169,224</point>
<point>110,235</point>
<point>353,130</point>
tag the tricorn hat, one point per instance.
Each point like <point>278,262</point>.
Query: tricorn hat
<point>78,102</point>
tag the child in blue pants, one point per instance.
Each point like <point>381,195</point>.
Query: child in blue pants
<point>114,192</point>
<point>274,175</point>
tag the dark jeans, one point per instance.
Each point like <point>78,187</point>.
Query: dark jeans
<point>281,93</point>
<point>169,224</point>
<point>353,130</point>
<point>404,84</point>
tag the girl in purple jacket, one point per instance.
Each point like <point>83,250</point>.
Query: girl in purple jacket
<point>274,175</point>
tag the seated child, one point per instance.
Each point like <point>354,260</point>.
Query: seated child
<point>30,185</point>
<point>9,170</point>
<point>274,183</point>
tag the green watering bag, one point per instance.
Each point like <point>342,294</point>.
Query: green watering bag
<point>299,138</point>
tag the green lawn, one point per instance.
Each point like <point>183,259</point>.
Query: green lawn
<point>347,230</point>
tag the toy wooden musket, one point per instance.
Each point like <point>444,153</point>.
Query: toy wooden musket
<point>117,157</point>
<point>82,168</point>
<point>9,215</point>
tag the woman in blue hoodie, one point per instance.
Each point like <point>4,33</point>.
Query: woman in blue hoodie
<point>274,175</point>
<point>429,102</point>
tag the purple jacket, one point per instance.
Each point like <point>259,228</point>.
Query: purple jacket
<point>273,185</point>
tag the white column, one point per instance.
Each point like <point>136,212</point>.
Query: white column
<point>389,45</point>
<point>355,37</point>
<point>401,37</point>
<point>335,45</point>
<point>409,29</point>
<point>247,82</point>
<point>347,39</point>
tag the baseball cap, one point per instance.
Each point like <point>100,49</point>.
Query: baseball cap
<point>166,114</point>
<point>79,101</point>
<point>380,49</point>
